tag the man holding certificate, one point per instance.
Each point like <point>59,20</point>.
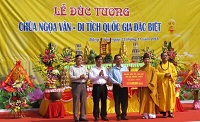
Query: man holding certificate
<point>120,93</point>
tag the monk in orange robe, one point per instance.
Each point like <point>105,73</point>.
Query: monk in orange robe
<point>167,76</point>
<point>148,96</point>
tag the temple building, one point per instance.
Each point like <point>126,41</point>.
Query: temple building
<point>105,47</point>
<point>135,52</point>
<point>123,50</point>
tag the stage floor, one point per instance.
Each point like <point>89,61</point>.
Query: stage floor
<point>34,116</point>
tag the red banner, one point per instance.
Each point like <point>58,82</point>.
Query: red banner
<point>134,79</point>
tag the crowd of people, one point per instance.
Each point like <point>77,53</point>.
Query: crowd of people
<point>157,97</point>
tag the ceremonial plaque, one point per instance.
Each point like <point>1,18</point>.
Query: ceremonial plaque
<point>134,79</point>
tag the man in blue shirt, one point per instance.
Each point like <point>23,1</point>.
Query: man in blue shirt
<point>120,93</point>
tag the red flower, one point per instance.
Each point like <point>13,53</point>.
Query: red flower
<point>3,84</point>
<point>175,63</point>
<point>8,106</point>
<point>182,84</point>
<point>45,60</point>
<point>52,56</point>
<point>9,89</point>
<point>45,56</point>
<point>67,59</point>
<point>49,68</point>
<point>25,105</point>
<point>47,51</point>
<point>195,66</point>
<point>186,95</point>
<point>14,98</point>
<point>171,53</point>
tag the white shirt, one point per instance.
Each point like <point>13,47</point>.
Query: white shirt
<point>94,75</point>
<point>75,73</point>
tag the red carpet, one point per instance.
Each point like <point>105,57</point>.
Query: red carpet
<point>186,116</point>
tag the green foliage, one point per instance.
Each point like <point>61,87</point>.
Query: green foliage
<point>125,58</point>
<point>188,93</point>
<point>154,58</point>
<point>4,97</point>
<point>91,57</point>
<point>67,55</point>
<point>108,58</point>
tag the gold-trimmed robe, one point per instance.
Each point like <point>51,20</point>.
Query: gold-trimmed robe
<point>166,87</point>
<point>147,96</point>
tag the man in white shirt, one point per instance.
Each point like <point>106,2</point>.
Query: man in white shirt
<point>79,76</point>
<point>98,76</point>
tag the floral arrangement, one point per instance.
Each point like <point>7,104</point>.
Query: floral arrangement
<point>192,80</point>
<point>17,105</point>
<point>154,58</point>
<point>67,56</point>
<point>16,85</point>
<point>29,98</point>
<point>173,57</point>
<point>192,83</point>
<point>17,82</point>
<point>51,64</point>
<point>170,51</point>
<point>49,56</point>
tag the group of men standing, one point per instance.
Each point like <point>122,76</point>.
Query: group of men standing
<point>158,94</point>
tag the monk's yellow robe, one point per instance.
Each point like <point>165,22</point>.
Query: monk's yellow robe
<point>147,96</point>
<point>166,87</point>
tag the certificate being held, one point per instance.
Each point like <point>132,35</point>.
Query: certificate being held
<point>134,79</point>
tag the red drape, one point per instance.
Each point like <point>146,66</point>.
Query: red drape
<point>55,109</point>
<point>67,95</point>
<point>179,107</point>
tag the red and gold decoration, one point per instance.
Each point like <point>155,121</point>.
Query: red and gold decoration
<point>105,47</point>
<point>192,82</point>
<point>17,83</point>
